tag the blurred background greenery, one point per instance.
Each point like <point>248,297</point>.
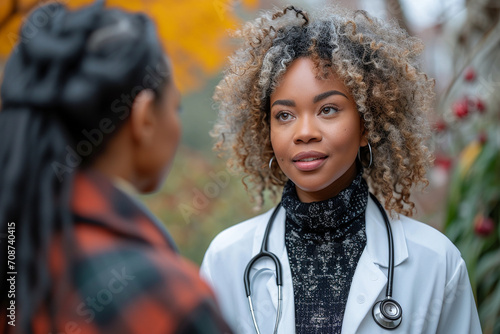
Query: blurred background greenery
<point>201,197</point>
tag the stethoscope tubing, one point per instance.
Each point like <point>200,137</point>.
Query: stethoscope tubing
<point>380,315</point>
<point>390,243</point>
<point>265,253</point>
<point>279,277</point>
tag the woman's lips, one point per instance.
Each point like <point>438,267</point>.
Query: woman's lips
<point>309,161</point>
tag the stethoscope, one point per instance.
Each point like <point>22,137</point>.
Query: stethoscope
<point>387,312</point>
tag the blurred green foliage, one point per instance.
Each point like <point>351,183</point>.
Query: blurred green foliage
<point>198,117</point>
<point>468,135</point>
<point>472,220</point>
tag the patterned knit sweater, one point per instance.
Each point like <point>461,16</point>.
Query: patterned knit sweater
<point>324,241</point>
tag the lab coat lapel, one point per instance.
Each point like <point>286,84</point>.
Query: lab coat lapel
<point>367,284</point>
<point>376,235</point>
<point>369,281</point>
<point>277,246</point>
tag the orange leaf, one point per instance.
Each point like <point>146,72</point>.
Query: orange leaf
<point>5,9</point>
<point>9,34</point>
<point>26,5</point>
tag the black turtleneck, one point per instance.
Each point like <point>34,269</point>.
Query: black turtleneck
<point>324,241</point>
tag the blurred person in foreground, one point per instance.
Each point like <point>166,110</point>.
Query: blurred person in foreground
<point>90,117</point>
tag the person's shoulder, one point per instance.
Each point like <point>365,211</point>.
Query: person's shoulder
<point>425,234</point>
<point>146,268</point>
<point>144,282</point>
<point>241,232</point>
<point>424,237</point>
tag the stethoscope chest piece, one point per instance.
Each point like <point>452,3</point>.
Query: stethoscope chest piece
<point>387,313</point>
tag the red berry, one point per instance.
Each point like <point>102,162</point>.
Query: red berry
<point>461,109</point>
<point>440,125</point>
<point>443,162</point>
<point>483,138</point>
<point>483,226</point>
<point>470,74</point>
<point>480,106</point>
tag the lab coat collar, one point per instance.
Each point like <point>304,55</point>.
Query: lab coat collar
<point>377,244</point>
<point>276,244</point>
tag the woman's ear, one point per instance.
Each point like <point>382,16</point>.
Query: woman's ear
<point>364,134</point>
<point>142,118</point>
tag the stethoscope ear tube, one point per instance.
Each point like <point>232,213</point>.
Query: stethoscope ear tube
<point>279,280</point>
<point>277,264</point>
<point>264,253</point>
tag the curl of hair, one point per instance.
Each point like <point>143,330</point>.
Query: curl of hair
<point>57,84</point>
<point>377,61</point>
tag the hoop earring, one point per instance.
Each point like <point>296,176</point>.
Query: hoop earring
<point>271,170</point>
<point>371,155</point>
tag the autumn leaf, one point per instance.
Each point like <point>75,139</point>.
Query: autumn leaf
<point>468,156</point>
<point>193,32</point>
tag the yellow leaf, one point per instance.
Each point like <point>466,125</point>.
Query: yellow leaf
<point>468,156</point>
<point>195,35</point>
<point>251,4</point>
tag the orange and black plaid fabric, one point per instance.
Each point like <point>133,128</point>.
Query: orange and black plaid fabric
<point>125,276</point>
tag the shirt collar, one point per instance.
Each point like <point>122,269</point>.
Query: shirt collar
<point>329,214</point>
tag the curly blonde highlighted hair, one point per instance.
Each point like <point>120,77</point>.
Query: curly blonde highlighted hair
<point>377,61</point>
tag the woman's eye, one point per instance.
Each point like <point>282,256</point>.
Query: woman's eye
<point>283,116</point>
<point>329,110</point>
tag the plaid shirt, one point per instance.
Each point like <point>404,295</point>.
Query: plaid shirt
<point>126,277</point>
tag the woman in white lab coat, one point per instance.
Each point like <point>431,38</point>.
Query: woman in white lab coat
<point>333,106</point>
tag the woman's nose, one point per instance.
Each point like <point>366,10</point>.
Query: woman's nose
<point>306,130</point>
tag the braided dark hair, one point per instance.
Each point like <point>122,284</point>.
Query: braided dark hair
<point>77,76</point>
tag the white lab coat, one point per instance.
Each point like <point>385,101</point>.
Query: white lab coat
<point>430,278</point>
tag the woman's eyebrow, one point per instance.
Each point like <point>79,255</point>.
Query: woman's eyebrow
<point>324,95</point>
<point>286,103</point>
